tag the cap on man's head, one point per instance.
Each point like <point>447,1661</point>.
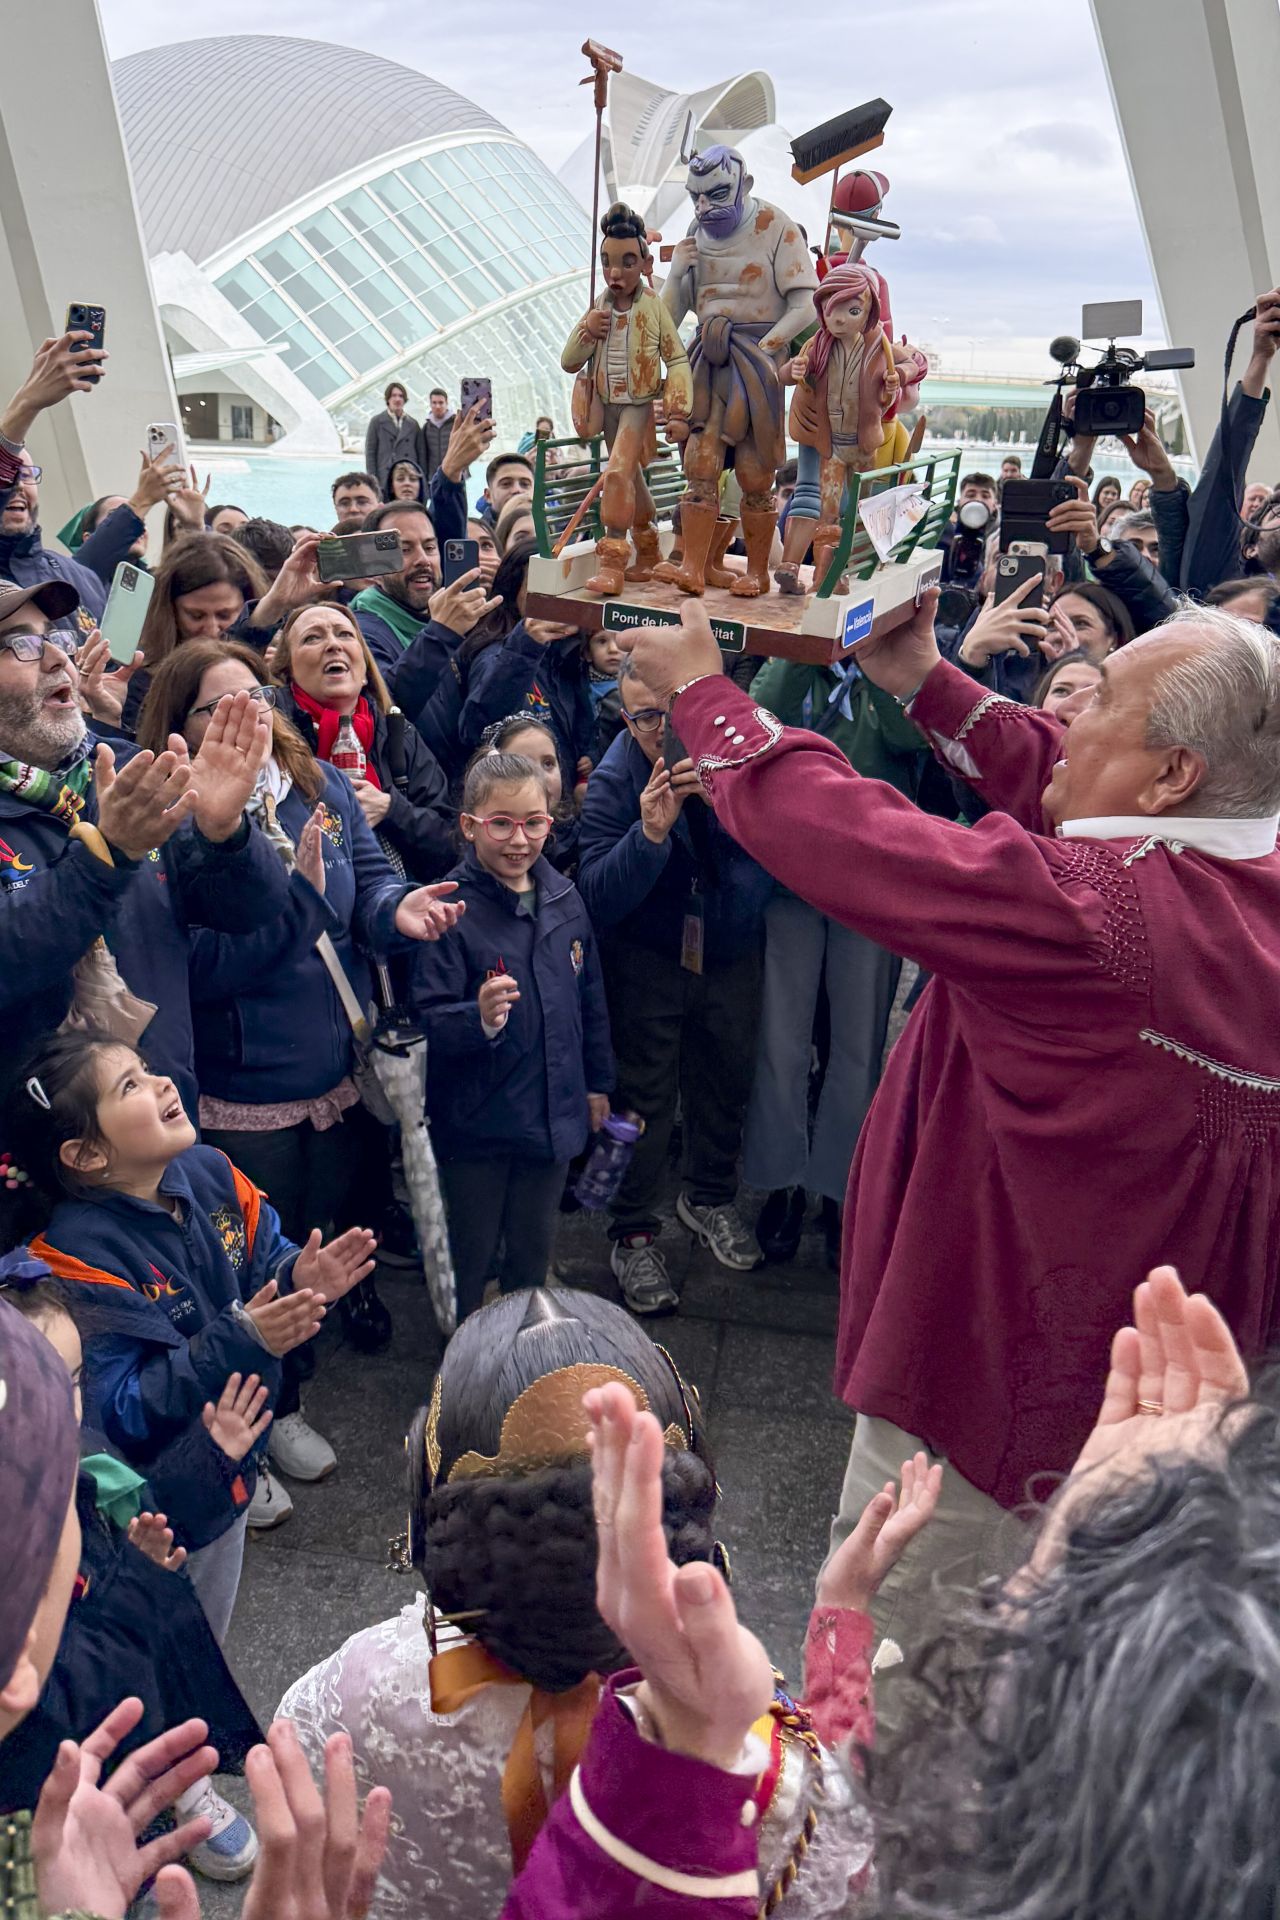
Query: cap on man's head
<point>39,1460</point>
<point>54,598</point>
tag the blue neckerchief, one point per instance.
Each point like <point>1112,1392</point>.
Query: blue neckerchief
<point>842,692</point>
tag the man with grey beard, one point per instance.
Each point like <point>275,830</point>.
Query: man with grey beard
<point>106,860</point>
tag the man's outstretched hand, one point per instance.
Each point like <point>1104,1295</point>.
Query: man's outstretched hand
<point>668,657</point>
<point>902,660</point>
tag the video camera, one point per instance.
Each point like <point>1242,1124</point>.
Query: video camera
<point>1107,402</point>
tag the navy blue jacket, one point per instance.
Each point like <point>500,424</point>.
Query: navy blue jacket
<point>551,683</point>
<point>56,898</point>
<point>156,1309</point>
<point>410,672</point>
<point>110,543</point>
<point>25,559</point>
<point>420,824</point>
<point>638,892</point>
<point>130,1623</point>
<point>268,1022</point>
<point>525,1092</point>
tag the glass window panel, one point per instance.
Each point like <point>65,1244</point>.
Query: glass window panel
<point>351,262</point>
<point>407,326</point>
<point>423,225</point>
<point>243,284</point>
<point>450,168</point>
<point>269,314</point>
<point>323,376</point>
<point>392,190</point>
<point>361,209</point>
<point>506,274</point>
<point>364,351</point>
<point>323,231</point>
<point>283,257</point>
<point>446,305</point>
<point>479,289</point>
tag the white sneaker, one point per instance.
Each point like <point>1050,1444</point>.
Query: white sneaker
<point>299,1450</point>
<point>232,1846</point>
<point>270,1505</point>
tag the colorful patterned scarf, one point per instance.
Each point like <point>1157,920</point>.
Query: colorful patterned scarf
<point>60,792</point>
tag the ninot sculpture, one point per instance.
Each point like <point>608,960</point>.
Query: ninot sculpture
<point>746,271</point>
<point>619,349</point>
<point>847,385</point>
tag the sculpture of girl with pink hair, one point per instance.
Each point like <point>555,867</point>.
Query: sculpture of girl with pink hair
<point>846,385</point>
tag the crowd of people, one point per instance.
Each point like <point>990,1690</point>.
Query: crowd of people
<point>608,878</point>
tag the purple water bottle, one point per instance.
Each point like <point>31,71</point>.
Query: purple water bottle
<point>608,1161</point>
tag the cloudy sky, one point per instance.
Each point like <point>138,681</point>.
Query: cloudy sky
<point>1008,178</point>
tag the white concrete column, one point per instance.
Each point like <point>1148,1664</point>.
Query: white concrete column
<point>69,231</point>
<point>1195,85</point>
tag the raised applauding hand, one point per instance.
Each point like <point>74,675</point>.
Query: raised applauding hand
<point>319,1859</point>
<point>85,1837</point>
<point>241,1417</point>
<point>284,1321</point>
<point>1173,1374</point>
<point>333,1269</point>
<point>151,1534</point>
<point>232,754</point>
<point>145,802</point>
<point>888,1524</point>
<point>706,1679</point>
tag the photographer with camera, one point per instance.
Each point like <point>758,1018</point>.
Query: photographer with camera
<point>964,538</point>
<point>1200,529</point>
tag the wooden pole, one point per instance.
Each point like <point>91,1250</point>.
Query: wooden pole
<point>603,62</point>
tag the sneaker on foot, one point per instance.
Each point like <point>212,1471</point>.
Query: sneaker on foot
<point>723,1231</point>
<point>270,1505</point>
<point>642,1274</point>
<point>232,1846</point>
<point>299,1450</point>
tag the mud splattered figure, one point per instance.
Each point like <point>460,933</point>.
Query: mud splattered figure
<point>747,274</point>
<point>618,351</point>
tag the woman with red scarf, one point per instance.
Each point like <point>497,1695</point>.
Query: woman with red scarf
<point>337,699</point>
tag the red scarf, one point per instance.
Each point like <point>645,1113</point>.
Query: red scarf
<point>328,722</point>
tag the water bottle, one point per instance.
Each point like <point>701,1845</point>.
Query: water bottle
<point>608,1161</point>
<point>348,754</point>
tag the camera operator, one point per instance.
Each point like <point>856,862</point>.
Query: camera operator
<point>963,539</point>
<point>1200,530</point>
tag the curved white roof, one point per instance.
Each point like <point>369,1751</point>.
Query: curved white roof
<point>223,133</point>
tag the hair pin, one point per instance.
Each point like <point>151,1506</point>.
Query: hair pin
<point>38,1094</point>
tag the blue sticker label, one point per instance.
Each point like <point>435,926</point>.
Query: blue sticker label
<point>857,623</point>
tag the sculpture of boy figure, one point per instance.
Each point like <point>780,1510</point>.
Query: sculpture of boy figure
<point>619,349</point>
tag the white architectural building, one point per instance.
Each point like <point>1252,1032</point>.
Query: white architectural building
<point>352,220</point>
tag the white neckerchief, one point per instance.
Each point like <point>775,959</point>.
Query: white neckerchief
<point>1225,839</point>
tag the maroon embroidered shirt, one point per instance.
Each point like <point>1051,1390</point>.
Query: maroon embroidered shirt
<point>1089,1086</point>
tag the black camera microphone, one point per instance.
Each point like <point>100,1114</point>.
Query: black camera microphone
<point>1065,350</point>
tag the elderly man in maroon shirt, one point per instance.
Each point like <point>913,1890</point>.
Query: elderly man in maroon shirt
<point>1091,1081</point>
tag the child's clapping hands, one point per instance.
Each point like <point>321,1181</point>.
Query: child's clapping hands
<point>151,1534</point>
<point>238,1421</point>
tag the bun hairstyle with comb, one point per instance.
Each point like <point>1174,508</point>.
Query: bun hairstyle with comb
<point>500,1514</point>
<point>621,222</point>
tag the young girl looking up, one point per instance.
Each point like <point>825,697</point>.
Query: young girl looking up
<point>520,1065</point>
<point>183,1278</point>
